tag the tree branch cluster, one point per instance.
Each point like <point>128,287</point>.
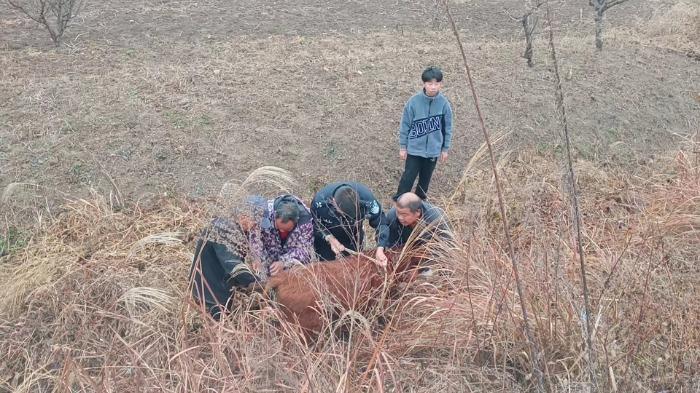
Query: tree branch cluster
<point>54,15</point>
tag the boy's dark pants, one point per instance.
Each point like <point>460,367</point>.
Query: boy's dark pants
<point>422,168</point>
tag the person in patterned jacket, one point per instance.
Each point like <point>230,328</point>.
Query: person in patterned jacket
<point>284,236</point>
<point>275,234</point>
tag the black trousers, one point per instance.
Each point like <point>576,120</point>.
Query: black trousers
<point>416,167</point>
<point>211,270</point>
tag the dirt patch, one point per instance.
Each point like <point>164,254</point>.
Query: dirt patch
<point>137,105</point>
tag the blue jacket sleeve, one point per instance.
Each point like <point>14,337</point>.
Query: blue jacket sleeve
<point>405,127</point>
<point>447,139</point>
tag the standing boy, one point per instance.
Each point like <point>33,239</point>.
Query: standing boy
<point>425,134</point>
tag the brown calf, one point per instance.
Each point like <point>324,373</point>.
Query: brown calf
<point>350,283</point>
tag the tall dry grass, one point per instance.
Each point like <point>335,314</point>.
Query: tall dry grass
<point>89,305</point>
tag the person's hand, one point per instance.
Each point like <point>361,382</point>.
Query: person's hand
<point>276,267</point>
<point>443,156</point>
<point>257,267</point>
<point>246,223</point>
<point>403,154</point>
<point>381,259</point>
<point>336,246</point>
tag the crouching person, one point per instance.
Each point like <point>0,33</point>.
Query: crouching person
<point>339,211</point>
<point>284,236</point>
<point>411,214</point>
<point>274,234</point>
<point>218,267</point>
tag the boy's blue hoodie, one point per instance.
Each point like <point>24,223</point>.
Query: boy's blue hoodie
<point>426,126</point>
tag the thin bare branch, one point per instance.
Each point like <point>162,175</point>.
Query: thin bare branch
<point>613,3</point>
<point>561,108</point>
<point>534,348</point>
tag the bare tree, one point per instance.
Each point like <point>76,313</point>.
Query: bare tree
<point>54,15</point>
<point>529,21</point>
<point>600,6</point>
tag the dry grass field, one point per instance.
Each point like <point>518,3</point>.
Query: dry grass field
<point>114,147</point>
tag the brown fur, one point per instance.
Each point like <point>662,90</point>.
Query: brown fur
<point>350,283</point>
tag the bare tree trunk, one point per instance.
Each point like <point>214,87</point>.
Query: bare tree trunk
<point>600,6</point>
<point>59,22</point>
<point>599,13</point>
<point>529,22</point>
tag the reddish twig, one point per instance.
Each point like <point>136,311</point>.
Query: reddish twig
<point>561,108</point>
<point>534,349</point>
